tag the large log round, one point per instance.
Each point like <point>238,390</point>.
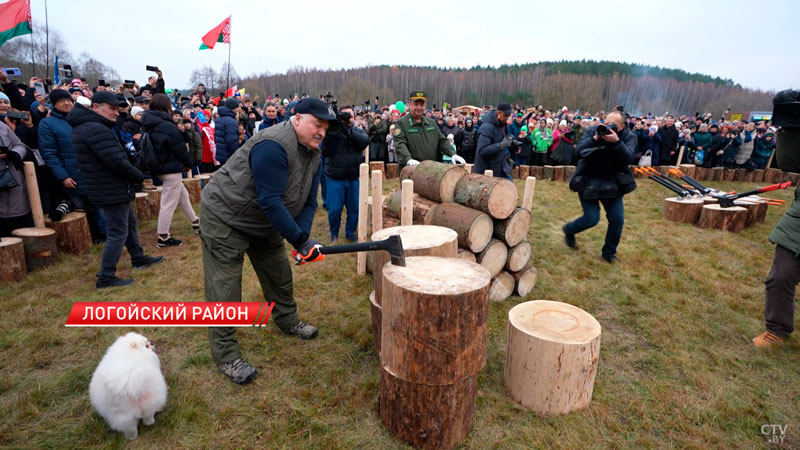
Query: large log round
<point>391,170</point>
<point>12,255</point>
<point>376,313</point>
<point>525,280</point>
<point>437,181</point>
<point>727,219</point>
<point>760,213</point>
<point>72,233</point>
<point>687,169</point>
<point>492,195</point>
<point>434,327</point>
<point>518,257</point>
<point>474,228</point>
<point>558,173</point>
<point>418,240</point>
<point>553,351</point>
<point>502,287</point>
<point>493,257</point>
<point>547,172</point>
<point>41,246</point>
<point>683,210</point>
<point>377,165</point>
<point>536,172</point>
<point>154,201</point>
<point>193,186</point>
<point>143,206</point>
<point>422,207</point>
<point>729,175</point>
<point>466,254</point>
<point>427,416</point>
<point>407,172</point>
<point>524,171</point>
<point>514,229</point>
<point>756,211</point>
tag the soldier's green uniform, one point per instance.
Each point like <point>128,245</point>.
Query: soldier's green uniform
<point>232,224</point>
<point>419,140</point>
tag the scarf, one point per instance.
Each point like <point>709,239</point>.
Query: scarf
<point>748,136</point>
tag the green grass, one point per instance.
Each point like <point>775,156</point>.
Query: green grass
<point>676,367</point>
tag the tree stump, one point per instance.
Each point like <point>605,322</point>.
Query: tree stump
<point>699,173</point>
<point>428,416</point>
<point>502,287</point>
<point>756,211</point>
<point>406,173</point>
<point>718,173</point>
<point>377,165</point>
<point>392,170</point>
<point>377,314</point>
<point>709,200</point>
<point>436,181</point>
<point>760,213</point>
<point>524,171</point>
<point>435,319</point>
<point>525,280</point>
<point>772,176</point>
<point>709,174</point>
<point>12,255</point>
<point>204,178</point>
<point>466,255</point>
<point>422,207</point>
<point>493,257</point>
<point>569,171</point>
<point>518,257</point>
<point>758,175</point>
<point>739,174</point>
<point>748,176</point>
<point>663,170</point>
<point>144,209</point>
<point>418,240</point>
<point>72,233</point>
<point>536,172</point>
<point>41,246</point>
<point>683,210</point>
<point>155,201</point>
<point>688,169</point>
<point>494,196</point>
<point>515,229</point>
<point>553,352</point>
<point>558,173</point>
<point>147,184</point>
<point>727,219</point>
<point>193,187</point>
<point>728,174</point>
<point>474,228</point>
<point>547,172</point>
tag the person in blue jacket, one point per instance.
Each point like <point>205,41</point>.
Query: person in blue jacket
<point>226,130</point>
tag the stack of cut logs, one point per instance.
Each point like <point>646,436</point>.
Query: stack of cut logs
<point>552,173</point>
<point>483,211</point>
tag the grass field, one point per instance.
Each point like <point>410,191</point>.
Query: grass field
<point>677,368</point>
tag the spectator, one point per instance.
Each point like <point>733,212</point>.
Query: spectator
<point>649,140</point>
<point>15,211</point>
<point>450,127</point>
<point>763,149</point>
<point>745,150</point>
<point>493,143</point>
<point>542,138</point>
<point>109,179</point>
<point>702,143</point>
<point>669,142</point>
<point>378,129</point>
<point>728,156</point>
<point>173,159</point>
<point>524,151</point>
<point>469,141</point>
<point>194,142</point>
<point>226,131</point>
<point>270,117</point>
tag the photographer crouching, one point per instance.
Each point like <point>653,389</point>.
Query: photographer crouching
<point>603,176</point>
<point>343,149</point>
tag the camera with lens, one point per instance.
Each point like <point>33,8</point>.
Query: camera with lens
<point>603,130</point>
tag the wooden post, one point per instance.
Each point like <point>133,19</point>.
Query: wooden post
<point>553,352</point>
<point>468,168</point>
<point>363,194</point>
<point>142,204</point>
<point>488,173</point>
<point>547,172</point>
<point>12,253</point>
<point>377,200</point>
<point>558,173</point>
<point>679,162</point>
<point>527,196</point>
<point>33,194</point>
<point>407,202</point>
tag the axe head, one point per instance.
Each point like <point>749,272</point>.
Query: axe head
<point>394,245</point>
<point>726,202</point>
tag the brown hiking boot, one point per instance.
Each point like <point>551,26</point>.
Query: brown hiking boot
<point>767,339</point>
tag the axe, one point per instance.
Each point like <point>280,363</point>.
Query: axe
<point>393,244</point>
<point>727,201</point>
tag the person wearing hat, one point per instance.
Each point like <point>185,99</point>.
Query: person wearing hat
<point>469,140</point>
<point>264,194</point>
<point>542,137</point>
<point>418,138</point>
<point>494,144</point>
<point>226,131</point>
<point>110,179</point>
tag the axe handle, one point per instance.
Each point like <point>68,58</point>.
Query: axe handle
<point>352,248</point>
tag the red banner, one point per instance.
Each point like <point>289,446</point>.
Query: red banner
<point>169,314</point>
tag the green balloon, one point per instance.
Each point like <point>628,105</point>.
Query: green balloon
<point>401,107</point>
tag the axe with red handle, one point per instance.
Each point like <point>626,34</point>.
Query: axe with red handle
<point>727,201</point>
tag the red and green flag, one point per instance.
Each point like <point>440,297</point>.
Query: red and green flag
<point>15,19</point>
<point>220,33</point>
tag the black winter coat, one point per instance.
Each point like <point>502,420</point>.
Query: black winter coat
<point>344,152</point>
<point>669,143</point>
<point>167,141</point>
<point>109,174</point>
<point>602,170</point>
<point>489,155</point>
<point>469,142</point>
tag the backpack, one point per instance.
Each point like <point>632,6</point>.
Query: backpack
<point>145,158</point>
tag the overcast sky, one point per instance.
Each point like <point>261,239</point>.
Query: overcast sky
<point>757,44</point>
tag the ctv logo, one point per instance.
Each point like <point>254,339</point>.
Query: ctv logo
<point>774,433</point>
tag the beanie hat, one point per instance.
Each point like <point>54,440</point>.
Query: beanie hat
<point>84,101</point>
<point>136,110</point>
<point>3,96</point>
<point>72,90</point>
<point>59,94</point>
<point>549,121</point>
<point>231,103</point>
<point>563,123</point>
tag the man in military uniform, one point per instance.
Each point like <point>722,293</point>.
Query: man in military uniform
<point>264,194</point>
<point>418,138</point>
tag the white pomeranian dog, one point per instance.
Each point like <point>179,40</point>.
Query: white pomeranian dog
<point>128,385</point>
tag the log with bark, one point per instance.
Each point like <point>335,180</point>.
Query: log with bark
<point>377,316</point>
<point>465,254</point>
<point>72,233</point>
<point>728,174</point>
<point>683,210</point>
<point>514,229</point>
<point>515,172</point>
<point>727,219</point>
<point>494,196</point>
<point>552,358</point>
<point>688,169</point>
<point>474,228</point>
<point>41,246</point>
<point>493,257</point>
<point>558,173</point>
<point>423,207</point>
<point>406,173</point>
<point>12,255</point>
<point>518,256</point>
<point>772,176</point>
<point>569,171</point>
<point>536,172</point>
<point>524,171</point>
<point>392,170</point>
<point>525,280</point>
<point>502,287</point>
<point>547,172</point>
<point>437,181</point>
<point>193,186</point>
<point>377,165</point>
<point>756,211</point>
<point>758,175</point>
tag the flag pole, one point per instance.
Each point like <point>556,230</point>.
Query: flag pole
<point>229,66</point>
<point>47,42</point>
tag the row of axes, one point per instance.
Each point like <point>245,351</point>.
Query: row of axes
<point>693,188</point>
